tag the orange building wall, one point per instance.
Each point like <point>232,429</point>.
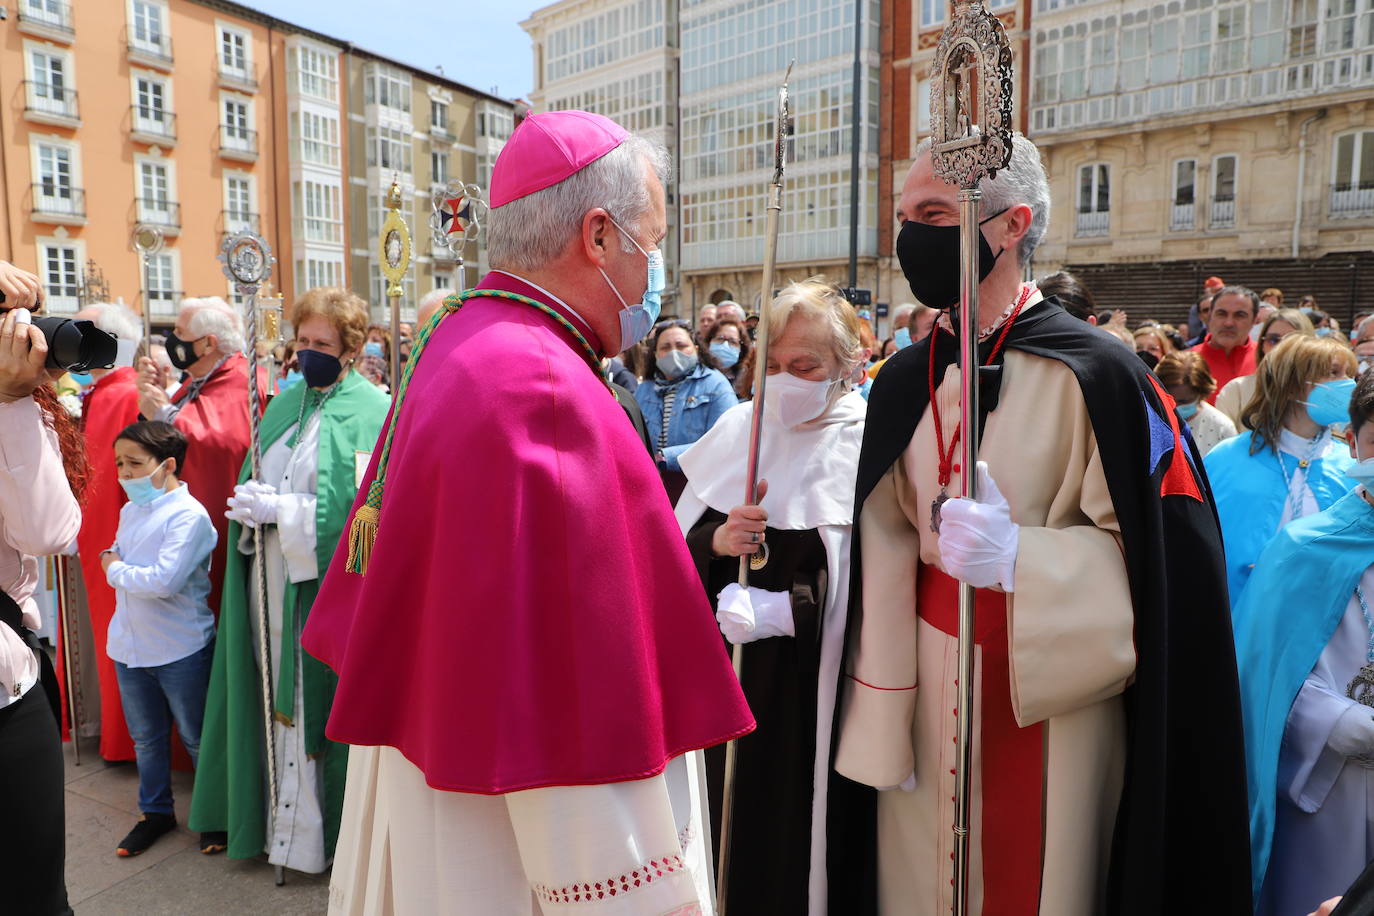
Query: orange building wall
<point>100,71</point>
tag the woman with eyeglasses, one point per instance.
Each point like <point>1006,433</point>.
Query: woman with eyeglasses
<point>682,397</point>
<point>1290,465</point>
<point>1235,394</point>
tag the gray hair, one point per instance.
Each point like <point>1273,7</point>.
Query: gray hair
<point>1021,182</point>
<point>212,315</point>
<point>905,310</point>
<point>118,320</point>
<point>530,231</point>
<point>433,297</point>
<point>817,300</point>
<point>736,310</point>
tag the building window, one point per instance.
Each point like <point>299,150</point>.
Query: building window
<point>1352,188</point>
<point>1266,33</point>
<point>238,120</point>
<point>48,90</point>
<point>313,272</point>
<point>152,114</point>
<point>317,136</point>
<point>1094,199</point>
<point>438,115</point>
<point>1347,25</point>
<point>1197,45</point>
<point>319,214</point>
<point>149,31</point>
<point>932,13</point>
<point>387,87</point>
<point>438,167</point>
<point>1231,39</point>
<point>156,197</point>
<point>233,52</point>
<point>1302,29</point>
<point>1135,43</point>
<point>1102,64</point>
<point>238,203</point>
<point>497,124</point>
<point>1223,192</point>
<point>317,73</point>
<point>389,148</point>
<point>160,284</point>
<point>49,12</point>
<point>1183,216</point>
<point>1073,69</point>
<point>55,191</point>
<point>61,276</point>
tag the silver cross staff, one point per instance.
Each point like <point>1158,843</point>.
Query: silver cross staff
<point>247,260</point>
<point>970,117</point>
<point>456,220</point>
<point>760,559</point>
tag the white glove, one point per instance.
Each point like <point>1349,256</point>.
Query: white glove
<point>978,539</point>
<point>1353,733</point>
<point>253,504</point>
<point>748,614</point>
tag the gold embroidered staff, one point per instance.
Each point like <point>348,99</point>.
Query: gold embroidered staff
<point>394,248</point>
<point>970,117</point>
<point>760,559</point>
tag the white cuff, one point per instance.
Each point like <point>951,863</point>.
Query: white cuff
<point>296,528</point>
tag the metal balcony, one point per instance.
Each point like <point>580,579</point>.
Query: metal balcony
<point>1223,213</point>
<point>241,80</point>
<point>1352,201</point>
<point>238,220</point>
<point>1183,217</point>
<point>152,125</point>
<point>238,143</point>
<point>48,103</point>
<point>150,50</point>
<point>164,214</point>
<point>50,19</point>
<point>56,204</point>
<point>1093,224</point>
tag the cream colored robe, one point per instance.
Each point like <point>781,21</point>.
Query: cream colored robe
<point>1070,625</point>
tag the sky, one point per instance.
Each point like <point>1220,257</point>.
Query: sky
<point>477,42</point>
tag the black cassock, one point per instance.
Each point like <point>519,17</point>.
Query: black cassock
<point>774,770</point>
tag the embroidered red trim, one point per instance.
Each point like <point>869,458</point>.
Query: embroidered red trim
<point>876,687</point>
<point>613,886</point>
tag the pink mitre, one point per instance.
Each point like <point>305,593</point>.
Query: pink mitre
<point>547,148</point>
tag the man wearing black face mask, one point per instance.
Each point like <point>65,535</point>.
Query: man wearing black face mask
<point>1101,603</point>
<point>210,408</point>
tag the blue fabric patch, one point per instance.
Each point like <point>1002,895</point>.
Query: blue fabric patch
<point>1161,436</point>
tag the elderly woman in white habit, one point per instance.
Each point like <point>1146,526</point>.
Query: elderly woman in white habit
<point>792,616</point>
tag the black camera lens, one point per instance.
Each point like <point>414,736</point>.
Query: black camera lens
<point>77,346</point>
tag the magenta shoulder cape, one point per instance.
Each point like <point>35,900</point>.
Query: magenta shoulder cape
<point>530,616</point>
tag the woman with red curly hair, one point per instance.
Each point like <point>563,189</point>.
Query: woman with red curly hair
<point>42,475</point>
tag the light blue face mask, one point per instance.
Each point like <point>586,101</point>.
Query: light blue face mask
<point>81,378</point>
<point>902,338</point>
<point>292,377</point>
<point>373,348</point>
<point>1329,402</point>
<point>636,321</point>
<point>142,490</point>
<point>726,353</point>
<point>1189,410</point>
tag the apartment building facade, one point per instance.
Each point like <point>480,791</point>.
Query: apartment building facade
<point>1208,136</point>
<point>202,117</point>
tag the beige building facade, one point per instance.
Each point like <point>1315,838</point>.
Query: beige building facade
<point>1234,138</point>
<point>422,131</point>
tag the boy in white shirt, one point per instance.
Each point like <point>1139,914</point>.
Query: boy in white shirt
<point>162,635</point>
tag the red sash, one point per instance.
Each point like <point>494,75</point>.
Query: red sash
<point>1011,834</point>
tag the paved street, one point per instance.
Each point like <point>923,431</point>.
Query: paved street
<point>172,877</point>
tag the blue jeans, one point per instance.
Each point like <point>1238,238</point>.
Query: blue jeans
<point>153,698</point>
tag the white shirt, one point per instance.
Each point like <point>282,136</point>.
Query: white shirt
<point>1301,501</point>
<point>38,516</point>
<point>161,581</point>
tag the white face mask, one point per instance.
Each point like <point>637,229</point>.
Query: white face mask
<point>1362,470</point>
<point>792,401</point>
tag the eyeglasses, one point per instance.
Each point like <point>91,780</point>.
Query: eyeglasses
<point>667,323</point>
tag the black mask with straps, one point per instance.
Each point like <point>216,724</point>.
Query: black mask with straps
<point>929,256</point>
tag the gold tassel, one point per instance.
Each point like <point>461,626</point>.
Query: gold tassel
<point>362,534</point>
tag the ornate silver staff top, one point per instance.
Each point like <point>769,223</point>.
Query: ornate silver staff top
<point>970,115</point>
<point>456,219</point>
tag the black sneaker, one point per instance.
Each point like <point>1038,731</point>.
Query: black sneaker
<point>145,833</point>
<point>213,842</point>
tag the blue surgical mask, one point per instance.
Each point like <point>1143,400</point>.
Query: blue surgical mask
<point>1362,470</point>
<point>902,338</point>
<point>1189,410</point>
<point>1329,403</point>
<point>81,378</point>
<point>373,348</point>
<point>676,363</point>
<point>142,490</point>
<point>726,353</point>
<point>292,377</point>
<point>1323,332</point>
<point>636,321</point>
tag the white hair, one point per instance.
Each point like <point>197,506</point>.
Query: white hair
<point>118,320</point>
<point>528,232</point>
<point>905,310</point>
<point>1021,182</point>
<point>212,315</point>
<point>433,297</point>
<point>734,309</point>
<point>816,300</point>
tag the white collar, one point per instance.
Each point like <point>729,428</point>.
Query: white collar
<point>1301,447</point>
<point>546,293</point>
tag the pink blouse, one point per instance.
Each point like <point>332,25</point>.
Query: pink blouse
<point>38,516</point>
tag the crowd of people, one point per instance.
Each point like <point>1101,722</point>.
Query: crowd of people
<point>500,606</point>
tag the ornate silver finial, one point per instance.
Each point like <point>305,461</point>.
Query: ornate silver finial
<point>970,97</point>
<point>457,216</point>
<point>247,261</point>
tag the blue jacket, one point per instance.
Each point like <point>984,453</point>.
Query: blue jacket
<point>703,397</point>
<point>1301,585</point>
<point>1250,493</point>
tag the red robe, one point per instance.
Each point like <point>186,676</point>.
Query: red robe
<point>216,426</point>
<point>111,405</point>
